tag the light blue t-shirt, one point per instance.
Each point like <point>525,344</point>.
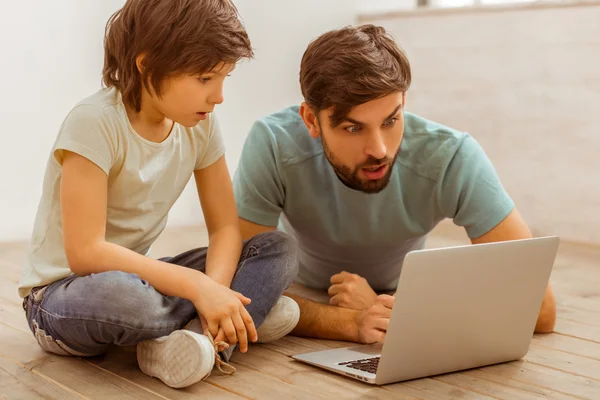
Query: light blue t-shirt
<point>284,179</point>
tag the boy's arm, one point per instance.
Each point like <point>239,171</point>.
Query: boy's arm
<point>84,203</point>
<point>218,206</point>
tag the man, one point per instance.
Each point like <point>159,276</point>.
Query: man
<point>359,182</point>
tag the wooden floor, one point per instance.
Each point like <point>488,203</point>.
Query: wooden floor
<point>563,365</point>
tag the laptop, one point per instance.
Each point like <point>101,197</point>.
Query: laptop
<point>455,308</point>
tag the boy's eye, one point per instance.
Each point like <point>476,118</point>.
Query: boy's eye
<point>352,128</point>
<point>203,80</point>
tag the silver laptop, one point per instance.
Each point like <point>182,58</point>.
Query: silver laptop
<point>456,308</point>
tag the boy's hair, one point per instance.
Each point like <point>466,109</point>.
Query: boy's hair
<point>351,66</point>
<point>175,37</point>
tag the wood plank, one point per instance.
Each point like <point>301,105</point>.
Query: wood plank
<point>319,382</point>
<point>13,315</point>
<point>577,330</point>
<point>82,377</point>
<point>9,281</point>
<point>549,378</point>
<point>291,345</point>
<point>19,346</point>
<point>14,252</point>
<point>576,302</point>
<point>253,384</point>
<point>469,381</point>
<point>123,362</point>
<point>90,381</point>
<point>579,315</point>
<point>19,383</point>
<point>525,386</point>
<point>582,366</point>
<point>432,389</point>
<point>568,344</point>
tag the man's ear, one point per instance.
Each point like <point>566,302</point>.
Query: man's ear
<point>310,120</point>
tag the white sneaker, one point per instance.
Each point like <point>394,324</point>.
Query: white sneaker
<point>281,320</point>
<point>179,360</point>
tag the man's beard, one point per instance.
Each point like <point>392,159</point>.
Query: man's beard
<point>351,178</point>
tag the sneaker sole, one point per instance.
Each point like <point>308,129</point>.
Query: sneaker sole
<point>179,360</point>
<point>287,329</point>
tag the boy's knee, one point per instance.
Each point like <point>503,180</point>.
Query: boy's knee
<point>280,243</point>
<point>288,252</point>
<point>283,254</point>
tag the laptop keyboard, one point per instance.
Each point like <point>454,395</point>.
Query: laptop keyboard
<point>366,364</point>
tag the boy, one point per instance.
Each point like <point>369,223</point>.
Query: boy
<point>122,158</point>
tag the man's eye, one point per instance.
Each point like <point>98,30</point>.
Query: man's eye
<point>352,128</point>
<point>391,122</point>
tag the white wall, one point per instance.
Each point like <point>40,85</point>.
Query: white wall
<point>52,57</point>
<point>525,81</point>
<point>366,7</point>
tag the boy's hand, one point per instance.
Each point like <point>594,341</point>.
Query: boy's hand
<point>351,291</point>
<point>223,308</point>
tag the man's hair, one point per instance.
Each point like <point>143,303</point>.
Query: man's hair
<point>174,37</point>
<point>351,66</point>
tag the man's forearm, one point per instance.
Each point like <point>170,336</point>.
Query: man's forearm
<point>547,316</point>
<point>323,321</point>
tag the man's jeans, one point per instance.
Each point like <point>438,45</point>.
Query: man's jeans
<point>83,316</point>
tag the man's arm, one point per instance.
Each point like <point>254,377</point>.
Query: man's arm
<point>316,319</point>
<point>323,321</point>
<point>331,322</point>
<point>513,227</point>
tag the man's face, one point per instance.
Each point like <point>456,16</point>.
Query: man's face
<point>363,148</point>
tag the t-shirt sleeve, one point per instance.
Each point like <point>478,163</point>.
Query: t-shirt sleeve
<point>213,148</point>
<point>259,190</point>
<point>89,132</point>
<point>470,191</point>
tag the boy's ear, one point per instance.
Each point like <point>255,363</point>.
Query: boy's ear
<point>310,120</point>
<point>139,62</point>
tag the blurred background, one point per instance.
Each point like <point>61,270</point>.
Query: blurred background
<point>521,77</point>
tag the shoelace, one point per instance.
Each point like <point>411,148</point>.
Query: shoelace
<point>222,366</point>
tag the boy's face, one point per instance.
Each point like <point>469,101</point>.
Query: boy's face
<point>187,99</point>
<point>363,148</point>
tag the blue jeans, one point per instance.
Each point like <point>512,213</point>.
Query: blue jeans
<point>84,315</point>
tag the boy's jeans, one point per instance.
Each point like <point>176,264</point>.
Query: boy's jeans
<point>83,316</point>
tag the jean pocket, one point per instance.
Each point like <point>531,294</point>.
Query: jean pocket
<point>51,345</point>
<point>47,343</point>
<point>33,301</point>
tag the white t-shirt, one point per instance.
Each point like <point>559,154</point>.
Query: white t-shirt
<point>144,180</point>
